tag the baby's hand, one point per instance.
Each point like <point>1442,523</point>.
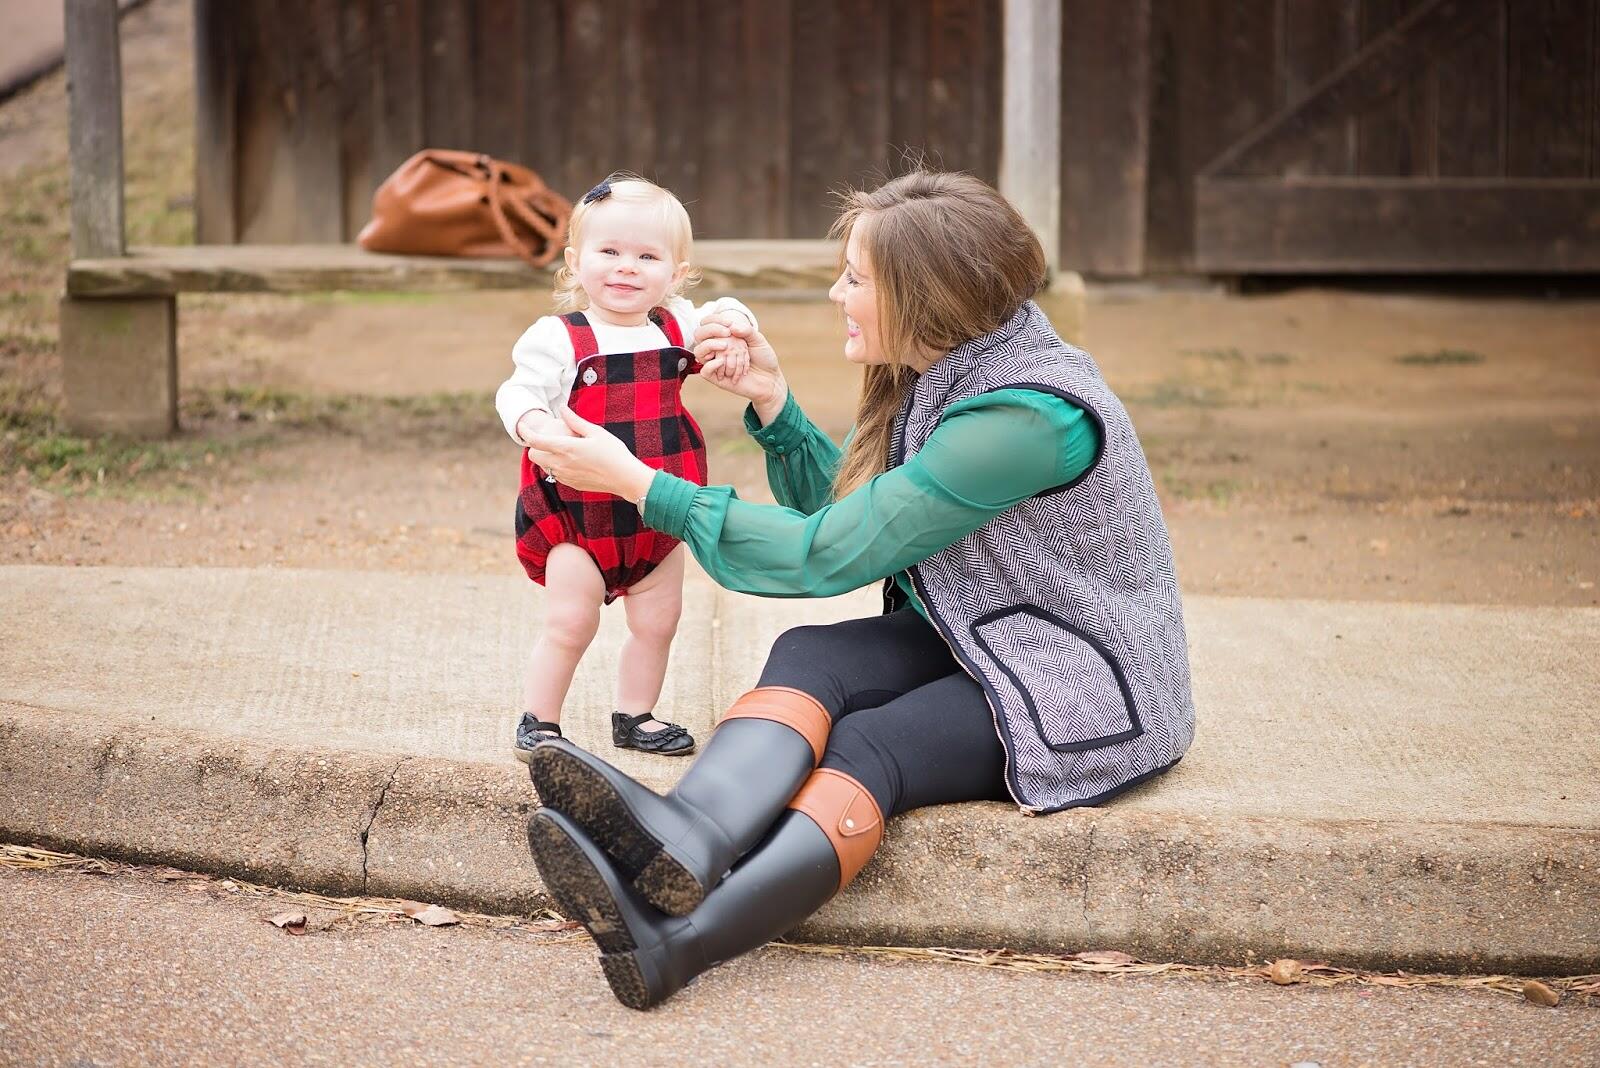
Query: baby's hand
<point>729,365</point>
<point>540,422</point>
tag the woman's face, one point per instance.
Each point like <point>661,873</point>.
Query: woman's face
<point>858,297</point>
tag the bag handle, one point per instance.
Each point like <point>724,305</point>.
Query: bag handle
<point>499,207</point>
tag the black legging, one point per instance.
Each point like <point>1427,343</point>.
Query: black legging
<point>908,723</point>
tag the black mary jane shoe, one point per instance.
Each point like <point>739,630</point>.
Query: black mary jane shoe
<point>530,732</point>
<point>670,740</point>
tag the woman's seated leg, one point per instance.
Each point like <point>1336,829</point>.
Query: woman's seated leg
<point>859,663</point>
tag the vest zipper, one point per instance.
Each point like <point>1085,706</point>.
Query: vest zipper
<point>956,655</point>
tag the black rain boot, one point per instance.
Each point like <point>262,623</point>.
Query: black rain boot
<point>674,849</point>
<point>646,956</point>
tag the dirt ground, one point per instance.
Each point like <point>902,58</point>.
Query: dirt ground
<point>1391,443</point>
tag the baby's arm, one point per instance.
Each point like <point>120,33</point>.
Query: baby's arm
<point>543,370</point>
<point>732,363</point>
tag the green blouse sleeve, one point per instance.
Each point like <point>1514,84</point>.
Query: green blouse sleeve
<point>801,459</point>
<point>987,454</point>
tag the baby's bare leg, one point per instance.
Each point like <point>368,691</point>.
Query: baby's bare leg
<point>653,607</point>
<point>574,591</point>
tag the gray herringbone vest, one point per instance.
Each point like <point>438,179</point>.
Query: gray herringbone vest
<point>1064,608</point>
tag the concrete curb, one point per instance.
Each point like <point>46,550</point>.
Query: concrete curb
<point>1422,896</point>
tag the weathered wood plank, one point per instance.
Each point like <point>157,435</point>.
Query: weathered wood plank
<point>1315,36</point>
<point>1211,88</point>
<point>589,58</point>
<point>449,117</point>
<point>1472,89</point>
<point>545,95</point>
<point>1030,137</point>
<point>1377,71</point>
<point>356,127</point>
<point>1549,57</point>
<point>1397,225</point>
<point>94,91</point>
<point>396,67</point>
<point>216,132</point>
<point>289,186</point>
<point>1383,128</point>
<point>678,105</point>
<point>841,118</point>
<point>744,152</point>
<point>497,70</point>
<point>1105,131</point>
<point>765,265</point>
<point>962,84</point>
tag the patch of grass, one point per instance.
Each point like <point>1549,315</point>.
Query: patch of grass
<point>1180,487</point>
<point>433,416</point>
<point>1228,355</point>
<point>1177,393</point>
<point>33,438</point>
<point>1274,359</point>
<point>1441,358</point>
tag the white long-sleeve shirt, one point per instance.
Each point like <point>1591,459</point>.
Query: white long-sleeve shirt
<point>545,365</point>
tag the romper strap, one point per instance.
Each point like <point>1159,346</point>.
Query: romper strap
<point>669,326</point>
<point>581,334</point>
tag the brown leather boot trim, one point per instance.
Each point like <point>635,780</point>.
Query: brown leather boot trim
<point>847,814</point>
<point>792,708</point>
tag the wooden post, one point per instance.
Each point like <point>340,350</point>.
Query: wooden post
<point>94,89</point>
<point>1030,123</point>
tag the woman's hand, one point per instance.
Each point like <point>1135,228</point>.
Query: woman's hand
<point>762,384</point>
<point>593,459</point>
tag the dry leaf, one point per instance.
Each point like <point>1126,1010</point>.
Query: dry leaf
<point>1540,994</point>
<point>411,908</point>
<point>435,916</point>
<point>1285,971</point>
<point>293,922</point>
<point>1104,956</point>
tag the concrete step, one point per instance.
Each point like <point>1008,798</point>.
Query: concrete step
<point>1390,784</point>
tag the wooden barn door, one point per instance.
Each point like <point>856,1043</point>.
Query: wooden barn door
<point>1462,135</point>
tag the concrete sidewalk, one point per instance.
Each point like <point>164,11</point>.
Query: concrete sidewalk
<point>1393,785</point>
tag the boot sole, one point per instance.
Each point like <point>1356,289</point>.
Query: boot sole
<point>583,895</point>
<point>577,790</point>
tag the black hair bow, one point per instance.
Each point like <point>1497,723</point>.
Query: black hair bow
<point>599,192</point>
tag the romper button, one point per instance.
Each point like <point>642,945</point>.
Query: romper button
<point>848,824</point>
<point>683,361</point>
<point>589,377</point>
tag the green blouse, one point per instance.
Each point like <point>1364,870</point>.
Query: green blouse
<point>988,453</point>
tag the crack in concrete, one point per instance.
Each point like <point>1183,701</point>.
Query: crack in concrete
<point>1088,857</point>
<point>372,818</point>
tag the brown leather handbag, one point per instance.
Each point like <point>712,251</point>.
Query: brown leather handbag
<point>442,202</point>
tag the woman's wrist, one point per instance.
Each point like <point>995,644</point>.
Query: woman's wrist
<point>768,408</point>
<point>638,485</point>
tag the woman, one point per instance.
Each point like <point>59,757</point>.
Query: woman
<point>1032,645</point>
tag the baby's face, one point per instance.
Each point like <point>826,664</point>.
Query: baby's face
<point>625,262</point>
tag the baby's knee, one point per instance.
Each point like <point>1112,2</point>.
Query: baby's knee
<point>571,626</point>
<point>655,622</point>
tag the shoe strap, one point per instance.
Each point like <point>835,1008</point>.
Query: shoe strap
<point>544,725</point>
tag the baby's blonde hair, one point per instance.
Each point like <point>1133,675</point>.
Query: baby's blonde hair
<point>627,188</point>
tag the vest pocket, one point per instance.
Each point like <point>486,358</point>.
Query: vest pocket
<point>1068,681</point>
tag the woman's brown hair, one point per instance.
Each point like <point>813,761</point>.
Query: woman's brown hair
<point>951,260</point>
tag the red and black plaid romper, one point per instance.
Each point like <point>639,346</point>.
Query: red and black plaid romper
<point>638,396</point>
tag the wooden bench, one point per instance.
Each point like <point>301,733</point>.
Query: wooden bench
<point>119,314</point>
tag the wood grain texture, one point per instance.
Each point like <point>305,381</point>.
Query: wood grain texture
<point>94,100</point>
<point>764,265</point>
